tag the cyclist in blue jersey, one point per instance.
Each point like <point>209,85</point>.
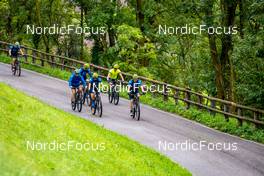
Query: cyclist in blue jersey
<point>84,71</point>
<point>76,81</point>
<point>133,89</point>
<point>94,86</point>
<point>14,51</point>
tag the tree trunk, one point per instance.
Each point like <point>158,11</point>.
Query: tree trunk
<point>140,15</point>
<point>241,18</point>
<point>82,34</point>
<point>228,10</point>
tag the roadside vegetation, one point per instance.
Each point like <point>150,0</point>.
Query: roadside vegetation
<point>156,39</point>
<point>24,119</point>
<point>247,131</point>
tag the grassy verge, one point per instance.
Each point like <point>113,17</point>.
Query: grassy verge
<point>217,122</point>
<point>24,119</point>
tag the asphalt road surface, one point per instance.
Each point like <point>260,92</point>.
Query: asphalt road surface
<point>234,156</point>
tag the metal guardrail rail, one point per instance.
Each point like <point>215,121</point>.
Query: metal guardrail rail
<point>214,105</point>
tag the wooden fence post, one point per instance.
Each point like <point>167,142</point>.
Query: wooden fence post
<point>25,54</point>
<point>226,109</point>
<point>34,56</point>
<point>239,113</point>
<point>187,97</point>
<point>52,62</point>
<point>200,101</point>
<point>42,59</point>
<point>212,106</point>
<point>165,92</point>
<point>7,49</point>
<point>256,118</point>
<point>62,63</point>
<point>176,96</point>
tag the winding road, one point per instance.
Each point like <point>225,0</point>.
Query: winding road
<point>154,130</point>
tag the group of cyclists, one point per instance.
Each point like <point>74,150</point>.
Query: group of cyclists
<point>79,82</point>
<point>83,80</point>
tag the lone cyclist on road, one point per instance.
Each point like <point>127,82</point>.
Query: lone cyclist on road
<point>113,74</point>
<point>76,81</point>
<point>14,53</point>
<point>133,89</point>
<point>94,87</point>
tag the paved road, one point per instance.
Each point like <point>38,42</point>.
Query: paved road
<point>154,130</point>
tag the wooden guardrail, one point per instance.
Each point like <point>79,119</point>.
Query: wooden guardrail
<point>214,105</point>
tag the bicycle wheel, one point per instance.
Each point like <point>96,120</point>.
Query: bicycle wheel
<point>79,102</point>
<point>19,69</point>
<point>134,110</point>
<point>109,96</point>
<point>14,69</point>
<point>99,107</point>
<point>137,111</point>
<point>93,109</point>
<point>88,100</point>
<point>83,98</point>
<point>73,104</point>
<point>116,98</point>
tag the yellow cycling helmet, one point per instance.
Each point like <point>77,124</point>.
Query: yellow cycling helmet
<point>95,75</point>
<point>116,66</point>
<point>86,66</point>
<point>135,76</point>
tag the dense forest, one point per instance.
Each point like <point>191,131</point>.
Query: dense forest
<point>154,39</point>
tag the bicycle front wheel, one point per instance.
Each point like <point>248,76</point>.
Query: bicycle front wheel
<point>116,98</point>
<point>19,70</point>
<point>79,102</point>
<point>137,114</point>
<point>99,108</point>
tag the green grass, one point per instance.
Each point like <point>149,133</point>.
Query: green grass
<point>24,118</point>
<point>217,122</point>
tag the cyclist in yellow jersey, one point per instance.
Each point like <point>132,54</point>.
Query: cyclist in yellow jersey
<point>114,73</point>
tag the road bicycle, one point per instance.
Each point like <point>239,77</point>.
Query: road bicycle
<point>98,107</point>
<point>113,95</point>
<point>87,97</point>
<point>16,68</point>
<point>135,107</point>
<point>78,101</point>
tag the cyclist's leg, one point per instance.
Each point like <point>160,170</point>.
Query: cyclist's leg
<point>80,89</point>
<point>13,61</point>
<point>93,99</point>
<point>112,84</point>
<point>130,102</point>
<point>85,90</point>
<point>73,94</point>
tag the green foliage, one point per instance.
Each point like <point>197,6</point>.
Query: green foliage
<point>182,60</point>
<point>250,70</point>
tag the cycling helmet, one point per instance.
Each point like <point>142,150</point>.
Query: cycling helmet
<point>86,66</point>
<point>135,76</point>
<point>95,75</point>
<point>77,71</point>
<point>116,66</point>
<point>17,44</point>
